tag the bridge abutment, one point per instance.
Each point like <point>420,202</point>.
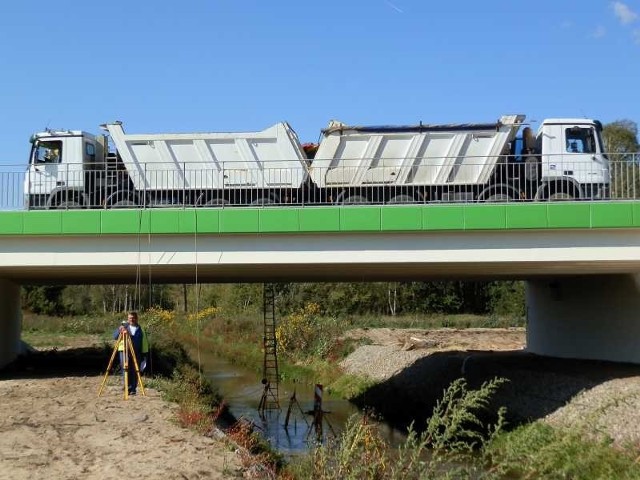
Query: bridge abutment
<point>589,317</point>
<point>10,321</point>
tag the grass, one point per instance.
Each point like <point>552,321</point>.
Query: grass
<point>199,403</point>
<point>538,450</point>
<point>84,324</point>
<point>434,321</point>
<point>56,340</point>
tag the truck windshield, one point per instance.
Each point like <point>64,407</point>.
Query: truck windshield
<point>580,140</point>
<point>47,152</point>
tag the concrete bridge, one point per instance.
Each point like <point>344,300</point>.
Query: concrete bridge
<point>580,259</point>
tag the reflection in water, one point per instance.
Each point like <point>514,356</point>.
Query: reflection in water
<point>242,390</point>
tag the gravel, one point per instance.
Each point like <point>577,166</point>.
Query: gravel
<point>599,398</point>
<point>610,410</point>
<point>379,362</point>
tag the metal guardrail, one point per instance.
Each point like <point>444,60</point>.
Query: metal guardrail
<point>389,181</point>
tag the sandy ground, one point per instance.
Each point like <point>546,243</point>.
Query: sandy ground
<point>414,366</point>
<point>53,425</point>
<point>58,428</point>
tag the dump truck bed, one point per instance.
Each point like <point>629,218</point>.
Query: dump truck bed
<point>272,158</point>
<point>430,155</point>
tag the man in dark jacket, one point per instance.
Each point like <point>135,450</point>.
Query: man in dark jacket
<point>140,347</point>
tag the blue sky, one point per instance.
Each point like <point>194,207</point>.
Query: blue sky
<point>234,65</point>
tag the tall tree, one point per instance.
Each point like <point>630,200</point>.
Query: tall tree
<point>621,139</point>
<point>621,143</point>
<point>43,299</point>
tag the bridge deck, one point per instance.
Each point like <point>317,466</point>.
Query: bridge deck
<point>449,217</point>
<point>333,243</point>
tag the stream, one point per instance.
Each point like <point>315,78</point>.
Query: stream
<point>242,390</point>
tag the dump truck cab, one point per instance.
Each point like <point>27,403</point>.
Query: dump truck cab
<point>58,167</point>
<point>572,163</point>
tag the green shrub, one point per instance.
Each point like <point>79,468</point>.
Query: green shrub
<point>538,450</point>
<point>455,424</point>
<point>444,450</point>
<point>307,333</point>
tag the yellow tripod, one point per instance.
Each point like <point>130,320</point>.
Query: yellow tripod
<point>128,353</point>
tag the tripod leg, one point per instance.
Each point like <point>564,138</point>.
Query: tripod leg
<point>113,355</point>
<point>125,365</point>
<point>137,368</point>
<point>262,406</point>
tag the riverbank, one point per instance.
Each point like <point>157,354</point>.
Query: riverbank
<point>53,425</point>
<point>414,363</point>
<point>401,373</point>
<point>412,367</point>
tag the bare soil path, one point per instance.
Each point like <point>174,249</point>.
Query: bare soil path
<point>56,427</point>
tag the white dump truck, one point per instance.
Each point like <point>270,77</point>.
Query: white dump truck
<point>71,169</point>
<point>464,162</point>
<point>395,164</point>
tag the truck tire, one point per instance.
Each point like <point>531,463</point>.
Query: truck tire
<point>560,197</point>
<point>499,198</point>
<point>216,202</point>
<point>353,200</point>
<point>123,204</point>
<point>263,201</point>
<point>67,205</point>
<point>401,199</point>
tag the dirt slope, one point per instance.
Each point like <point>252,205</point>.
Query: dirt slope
<point>394,349</point>
<point>414,366</point>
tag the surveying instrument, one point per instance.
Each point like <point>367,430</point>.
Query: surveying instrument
<point>128,354</point>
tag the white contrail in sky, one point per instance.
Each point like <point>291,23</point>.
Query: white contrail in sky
<point>394,6</point>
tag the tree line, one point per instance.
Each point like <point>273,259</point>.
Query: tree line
<point>339,299</point>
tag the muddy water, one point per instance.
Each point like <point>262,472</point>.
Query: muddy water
<point>242,390</point>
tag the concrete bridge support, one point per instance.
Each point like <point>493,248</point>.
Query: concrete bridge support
<point>589,317</point>
<point>10,321</point>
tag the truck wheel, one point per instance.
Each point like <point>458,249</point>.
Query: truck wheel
<point>216,202</point>
<point>353,200</point>
<point>263,201</point>
<point>67,205</point>
<point>401,199</point>
<point>123,204</point>
<point>499,198</point>
<point>560,196</point>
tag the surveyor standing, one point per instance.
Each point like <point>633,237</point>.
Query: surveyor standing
<point>140,347</point>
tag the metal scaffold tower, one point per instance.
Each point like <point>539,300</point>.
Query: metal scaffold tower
<point>270,375</point>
